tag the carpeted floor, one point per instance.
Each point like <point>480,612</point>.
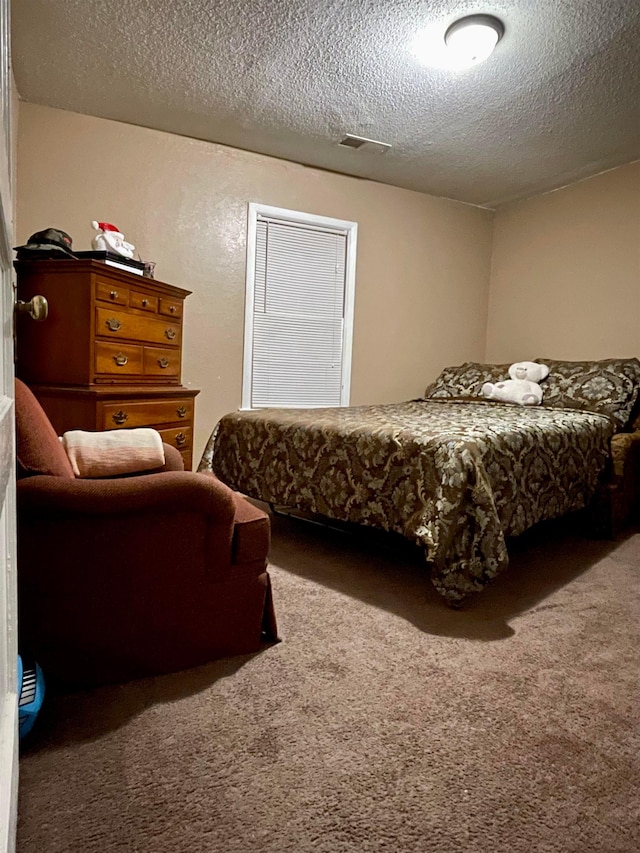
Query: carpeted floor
<point>382,722</point>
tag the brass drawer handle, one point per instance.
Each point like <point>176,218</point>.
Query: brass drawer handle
<point>163,362</point>
<point>120,417</point>
<point>172,309</point>
<point>181,412</point>
<point>113,324</point>
<point>180,439</point>
<point>113,294</point>
<point>170,333</point>
<point>145,302</point>
<point>121,359</point>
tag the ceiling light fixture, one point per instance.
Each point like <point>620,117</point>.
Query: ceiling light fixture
<point>472,39</point>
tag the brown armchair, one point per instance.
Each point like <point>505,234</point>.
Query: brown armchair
<point>132,576</point>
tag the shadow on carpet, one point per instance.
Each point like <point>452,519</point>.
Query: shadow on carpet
<point>57,727</point>
<point>385,570</point>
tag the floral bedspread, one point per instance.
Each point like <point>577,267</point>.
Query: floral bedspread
<point>456,477</point>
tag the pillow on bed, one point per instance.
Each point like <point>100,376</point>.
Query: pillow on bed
<point>466,380</point>
<point>610,386</point>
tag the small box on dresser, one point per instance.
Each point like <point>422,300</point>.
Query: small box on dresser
<point>109,355</point>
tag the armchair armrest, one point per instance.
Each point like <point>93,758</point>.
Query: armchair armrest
<point>169,491</point>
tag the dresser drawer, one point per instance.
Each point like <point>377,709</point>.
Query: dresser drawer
<point>148,412</point>
<point>180,437</point>
<point>161,362</point>
<point>108,291</point>
<point>120,324</point>
<point>170,307</point>
<point>142,301</point>
<point>118,359</point>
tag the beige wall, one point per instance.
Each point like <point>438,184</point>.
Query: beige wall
<point>422,270</point>
<point>565,279</point>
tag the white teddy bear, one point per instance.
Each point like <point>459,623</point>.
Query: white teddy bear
<point>523,386</point>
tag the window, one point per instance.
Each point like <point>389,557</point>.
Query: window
<point>298,310</point>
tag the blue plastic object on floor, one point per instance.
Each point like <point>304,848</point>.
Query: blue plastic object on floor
<point>30,695</point>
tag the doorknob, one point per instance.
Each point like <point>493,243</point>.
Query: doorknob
<point>37,307</point>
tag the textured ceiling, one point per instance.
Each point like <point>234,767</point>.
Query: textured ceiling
<point>558,100</point>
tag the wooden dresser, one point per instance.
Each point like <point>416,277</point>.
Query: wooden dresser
<point>109,355</point>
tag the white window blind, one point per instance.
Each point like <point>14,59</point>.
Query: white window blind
<point>300,322</point>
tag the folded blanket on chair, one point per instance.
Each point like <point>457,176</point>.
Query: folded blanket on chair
<point>116,451</point>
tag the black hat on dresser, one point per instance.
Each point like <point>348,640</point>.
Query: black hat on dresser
<point>50,243</point>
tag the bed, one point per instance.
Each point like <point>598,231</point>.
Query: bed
<point>452,472</point>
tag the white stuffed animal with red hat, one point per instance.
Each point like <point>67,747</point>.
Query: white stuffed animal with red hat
<point>110,239</point>
<point>523,386</point>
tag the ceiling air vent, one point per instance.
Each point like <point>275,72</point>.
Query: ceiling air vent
<point>360,143</point>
